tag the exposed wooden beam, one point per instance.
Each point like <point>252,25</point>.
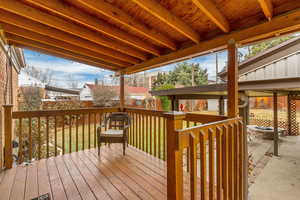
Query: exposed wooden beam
<point>30,43</point>
<point>126,20</point>
<point>213,13</point>
<point>60,44</point>
<point>267,8</point>
<point>282,24</point>
<point>167,17</point>
<point>73,14</point>
<point>60,35</point>
<point>51,53</point>
<point>35,14</point>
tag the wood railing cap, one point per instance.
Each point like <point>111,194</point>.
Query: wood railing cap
<point>8,105</point>
<point>174,115</point>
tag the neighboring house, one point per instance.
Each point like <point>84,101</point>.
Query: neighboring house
<point>144,79</point>
<point>61,94</point>
<point>134,95</point>
<point>11,62</point>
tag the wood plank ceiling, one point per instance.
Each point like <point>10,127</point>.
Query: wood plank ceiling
<point>136,35</point>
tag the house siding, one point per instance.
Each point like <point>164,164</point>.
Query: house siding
<point>8,94</point>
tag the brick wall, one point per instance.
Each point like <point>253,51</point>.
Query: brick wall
<point>6,78</point>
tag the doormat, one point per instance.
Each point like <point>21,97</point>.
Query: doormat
<point>43,197</point>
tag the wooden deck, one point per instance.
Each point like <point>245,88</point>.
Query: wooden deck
<point>82,175</point>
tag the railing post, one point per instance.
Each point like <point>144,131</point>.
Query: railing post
<point>8,160</point>
<point>174,156</point>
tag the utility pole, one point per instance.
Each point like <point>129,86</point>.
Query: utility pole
<point>193,84</point>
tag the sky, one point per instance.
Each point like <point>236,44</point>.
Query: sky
<point>65,72</point>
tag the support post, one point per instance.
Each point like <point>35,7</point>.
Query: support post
<point>8,158</point>
<point>275,107</point>
<point>174,156</point>
<point>232,80</point>
<point>122,92</point>
<point>221,106</point>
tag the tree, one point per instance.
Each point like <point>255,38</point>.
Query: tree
<point>45,76</point>
<point>262,46</point>
<point>187,74</point>
<point>165,102</point>
<point>104,95</point>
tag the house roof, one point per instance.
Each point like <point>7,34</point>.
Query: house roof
<point>253,88</point>
<point>133,36</point>
<point>277,52</point>
<point>128,89</point>
<point>62,90</point>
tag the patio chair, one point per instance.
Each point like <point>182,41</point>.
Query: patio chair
<point>116,130</point>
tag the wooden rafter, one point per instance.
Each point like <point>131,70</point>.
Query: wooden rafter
<point>267,8</point>
<point>30,25</point>
<point>60,44</point>
<point>19,8</point>
<point>65,55</point>
<point>279,25</point>
<point>213,13</point>
<point>30,43</point>
<point>80,17</point>
<point>123,18</point>
<point>167,17</point>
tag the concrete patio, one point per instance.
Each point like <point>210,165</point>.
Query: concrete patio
<point>280,177</point>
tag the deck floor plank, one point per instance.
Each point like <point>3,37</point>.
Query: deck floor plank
<point>116,161</point>
<point>57,186</point>
<point>32,189</point>
<point>85,175</point>
<point>96,188</point>
<point>154,187</point>
<point>7,183</point>
<point>70,187</point>
<point>43,178</point>
<point>84,190</point>
<point>18,189</point>
<point>102,179</point>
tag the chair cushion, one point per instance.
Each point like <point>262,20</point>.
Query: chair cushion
<point>112,133</point>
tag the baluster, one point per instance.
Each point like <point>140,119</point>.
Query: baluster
<point>30,139</point>
<point>89,130</point>
<point>203,170</point>
<point>211,134</point>
<point>231,164</point>
<point>55,135</point>
<point>164,138</point>
<point>147,133</point>
<point>47,135</point>
<point>70,134</point>
<point>241,168</point>
<point>219,162</point>
<point>225,169</point>
<point>155,135</point>
<point>83,124</point>
<point>235,160</point>
<point>151,135</point>
<point>140,131</point>
<point>39,138</point>
<point>193,166</point>
<point>95,129</point>
<point>20,141</point>
<point>76,133</point>
<point>159,137</point>
<point>136,130</point>
<point>63,133</point>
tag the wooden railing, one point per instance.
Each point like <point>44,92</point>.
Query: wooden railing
<point>216,156</point>
<point>42,134</point>
<point>148,131</point>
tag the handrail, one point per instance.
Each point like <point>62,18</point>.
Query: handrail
<point>222,166</point>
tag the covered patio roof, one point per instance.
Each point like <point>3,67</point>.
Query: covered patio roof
<point>254,88</point>
<point>136,35</point>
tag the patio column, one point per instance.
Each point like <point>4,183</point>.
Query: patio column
<point>232,80</point>
<point>8,158</point>
<point>174,156</point>
<point>221,106</point>
<point>275,120</point>
<point>122,92</point>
